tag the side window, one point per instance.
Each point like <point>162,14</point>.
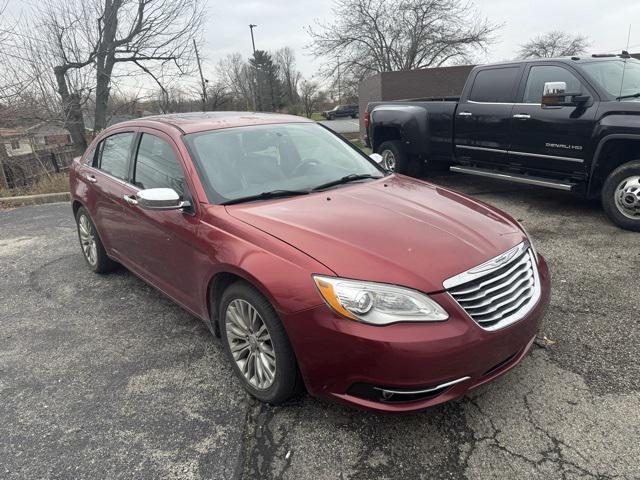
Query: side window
<point>114,155</point>
<point>157,166</point>
<point>540,74</point>
<point>494,85</point>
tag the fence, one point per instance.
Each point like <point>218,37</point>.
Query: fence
<point>26,170</point>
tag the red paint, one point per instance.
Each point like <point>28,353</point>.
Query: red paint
<point>394,230</point>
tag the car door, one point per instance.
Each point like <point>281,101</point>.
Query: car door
<point>105,178</point>
<point>551,138</point>
<point>163,242</point>
<point>483,117</point>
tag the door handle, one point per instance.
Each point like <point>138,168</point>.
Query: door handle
<point>90,178</point>
<point>465,114</point>
<point>130,199</point>
<point>522,116</point>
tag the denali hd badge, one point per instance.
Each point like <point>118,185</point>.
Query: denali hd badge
<point>563,146</point>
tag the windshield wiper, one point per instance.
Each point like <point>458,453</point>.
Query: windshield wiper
<point>635,95</point>
<point>266,195</point>
<point>346,179</point>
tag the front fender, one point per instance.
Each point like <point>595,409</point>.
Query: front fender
<point>276,269</point>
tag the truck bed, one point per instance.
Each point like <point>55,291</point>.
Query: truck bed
<point>431,120</point>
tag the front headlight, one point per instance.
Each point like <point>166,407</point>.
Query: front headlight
<point>377,303</point>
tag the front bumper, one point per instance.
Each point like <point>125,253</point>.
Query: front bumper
<point>335,354</point>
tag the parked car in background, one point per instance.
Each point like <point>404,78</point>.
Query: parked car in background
<point>569,123</point>
<point>341,111</point>
<point>312,263</point>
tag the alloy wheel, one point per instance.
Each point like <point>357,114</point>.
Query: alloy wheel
<point>389,160</point>
<point>627,196</point>
<point>88,240</point>
<point>250,344</point>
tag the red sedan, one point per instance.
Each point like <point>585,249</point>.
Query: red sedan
<point>311,262</point>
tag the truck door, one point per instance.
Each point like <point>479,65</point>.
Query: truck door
<point>552,139</point>
<point>483,117</point>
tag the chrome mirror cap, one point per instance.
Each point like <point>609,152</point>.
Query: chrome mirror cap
<point>554,88</point>
<point>376,157</point>
<point>159,199</point>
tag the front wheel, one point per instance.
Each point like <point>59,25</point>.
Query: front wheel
<point>257,345</point>
<point>91,245</point>
<point>395,159</point>
<point>621,196</point>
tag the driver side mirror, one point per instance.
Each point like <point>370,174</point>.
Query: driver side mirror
<point>555,95</point>
<point>160,199</point>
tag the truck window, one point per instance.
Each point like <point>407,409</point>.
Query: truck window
<point>540,74</point>
<point>494,85</point>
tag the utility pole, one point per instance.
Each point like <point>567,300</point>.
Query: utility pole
<point>253,42</point>
<point>257,70</point>
<point>203,82</point>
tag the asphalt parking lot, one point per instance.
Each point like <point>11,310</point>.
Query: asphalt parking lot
<point>102,377</point>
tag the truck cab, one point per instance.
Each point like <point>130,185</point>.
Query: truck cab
<point>569,123</point>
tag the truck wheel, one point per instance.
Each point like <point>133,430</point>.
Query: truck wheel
<point>395,159</point>
<point>621,196</point>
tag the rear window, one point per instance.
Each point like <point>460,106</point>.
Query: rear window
<point>494,85</point>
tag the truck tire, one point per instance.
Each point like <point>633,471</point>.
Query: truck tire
<point>395,159</point>
<point>621,196</point>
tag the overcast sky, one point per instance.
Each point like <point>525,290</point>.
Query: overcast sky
<point>282,22</point>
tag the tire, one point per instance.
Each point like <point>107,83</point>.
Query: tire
<point>329,117</point>
<point>92,248</point>
<point>285,381</point>
<point>396,160</point>
<point>621,196</point>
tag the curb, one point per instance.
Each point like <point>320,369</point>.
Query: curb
<point>35,199</point>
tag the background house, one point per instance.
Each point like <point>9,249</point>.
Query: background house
<point>24,141</point>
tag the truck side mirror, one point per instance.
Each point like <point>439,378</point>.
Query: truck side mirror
<point>555,95</point>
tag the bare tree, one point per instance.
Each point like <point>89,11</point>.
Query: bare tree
<point>310,96</point>
<point>237,76</point>
<point>372,36</point>
<point>554,44</point>
<point>154,36</point>
<point>289,75</point>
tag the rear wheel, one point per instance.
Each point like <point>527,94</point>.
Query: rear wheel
<point>395,159</point>
<point>91,245</point>
<point>621,196</point>
<point>257,345</point>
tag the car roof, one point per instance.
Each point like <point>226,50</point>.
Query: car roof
<point>193,122</point>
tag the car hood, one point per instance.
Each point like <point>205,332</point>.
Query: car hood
<point>394,230</point>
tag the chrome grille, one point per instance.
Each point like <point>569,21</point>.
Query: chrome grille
<point>498,292</point>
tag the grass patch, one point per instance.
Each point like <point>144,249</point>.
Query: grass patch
<point>358,143</point>
<point>57,183</point>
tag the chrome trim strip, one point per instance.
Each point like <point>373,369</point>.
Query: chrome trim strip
<point>552,157</point>
<point>522,154</point>
<point>517,179</point>
<point>427,390</point>
<point>483,149</point>
<point>505,103</point>
<point>487,267</point>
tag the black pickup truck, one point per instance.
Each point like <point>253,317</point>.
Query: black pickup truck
<point>568,123</point>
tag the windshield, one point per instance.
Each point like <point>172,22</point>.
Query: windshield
<point>241,162</point>
<point>609,76</point>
